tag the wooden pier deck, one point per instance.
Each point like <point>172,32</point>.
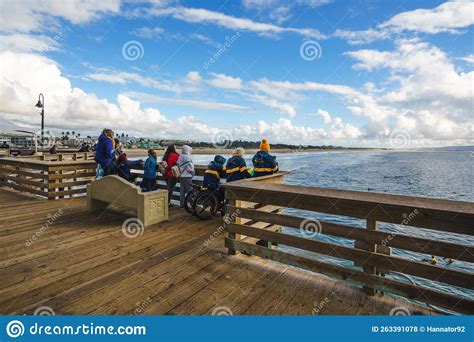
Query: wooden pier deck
<point>82,264</point>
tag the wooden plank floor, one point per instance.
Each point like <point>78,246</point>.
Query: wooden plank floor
<point>82,263</point>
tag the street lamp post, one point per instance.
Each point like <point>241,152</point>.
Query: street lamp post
<point>40,104</point>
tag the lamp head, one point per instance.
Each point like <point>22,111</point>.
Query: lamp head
<point>39,104</point>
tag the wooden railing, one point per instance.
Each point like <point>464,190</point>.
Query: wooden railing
<point>371,252</point>
<point>55,176</point>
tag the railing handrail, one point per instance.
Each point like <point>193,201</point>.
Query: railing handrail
<point>434,213</point>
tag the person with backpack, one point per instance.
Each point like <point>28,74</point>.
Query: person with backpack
<point>186,173</point>
<point>263,162</point>
<point>149,172</point>
<point>169,160</point>
<point>236,168</point>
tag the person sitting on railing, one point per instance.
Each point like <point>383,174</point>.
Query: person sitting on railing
<point>263,162</point>
<point>236,168</point>
<point>124,167</point>
<point>213,174</point>
<point>103,154</point>
<point>53,150</point>
<point>149,172</point>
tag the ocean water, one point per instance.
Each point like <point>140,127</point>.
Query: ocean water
<point>447,175</point>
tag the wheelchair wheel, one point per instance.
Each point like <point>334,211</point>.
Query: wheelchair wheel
<point>190,199</point>
<point>206,206</point>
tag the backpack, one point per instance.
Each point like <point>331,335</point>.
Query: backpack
<point>163,167</point>
<point>175,171</point>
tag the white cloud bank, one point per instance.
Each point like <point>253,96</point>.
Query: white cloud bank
<point>451,17</point>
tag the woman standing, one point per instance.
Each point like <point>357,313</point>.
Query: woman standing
<point>186,168</point>
<point>170,157</point>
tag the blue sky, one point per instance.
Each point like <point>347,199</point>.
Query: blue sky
<point>373,73</point>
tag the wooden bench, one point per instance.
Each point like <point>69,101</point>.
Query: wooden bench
<point>151,207</point>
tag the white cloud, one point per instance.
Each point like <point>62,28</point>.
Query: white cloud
<point>447,17</point>
<point>451,17</point>
<point>213,105</point>
<point>149,33</point>
<point>468,58</point>
<point>28,43</point>
<point>361,37</point>
<point>36,15</point>
<point>201,15</point>
<point>225,82</point>
<point>325,115</point>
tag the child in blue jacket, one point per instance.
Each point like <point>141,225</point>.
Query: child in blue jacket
<point>149,172</point>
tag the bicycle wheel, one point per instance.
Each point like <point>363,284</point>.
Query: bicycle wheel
<point>205,206</point>
<point>189,201</point>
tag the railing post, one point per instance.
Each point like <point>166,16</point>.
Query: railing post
<point>237,220</point>
<point>371,247</point>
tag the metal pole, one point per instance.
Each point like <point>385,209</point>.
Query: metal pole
<point>42,119</point>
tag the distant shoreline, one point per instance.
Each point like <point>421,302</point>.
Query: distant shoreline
<point>136,152</point>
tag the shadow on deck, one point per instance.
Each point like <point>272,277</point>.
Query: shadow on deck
<point>81,263</point>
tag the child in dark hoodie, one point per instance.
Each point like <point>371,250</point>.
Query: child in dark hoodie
<point>124,167</point>
<point>213,174</point>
